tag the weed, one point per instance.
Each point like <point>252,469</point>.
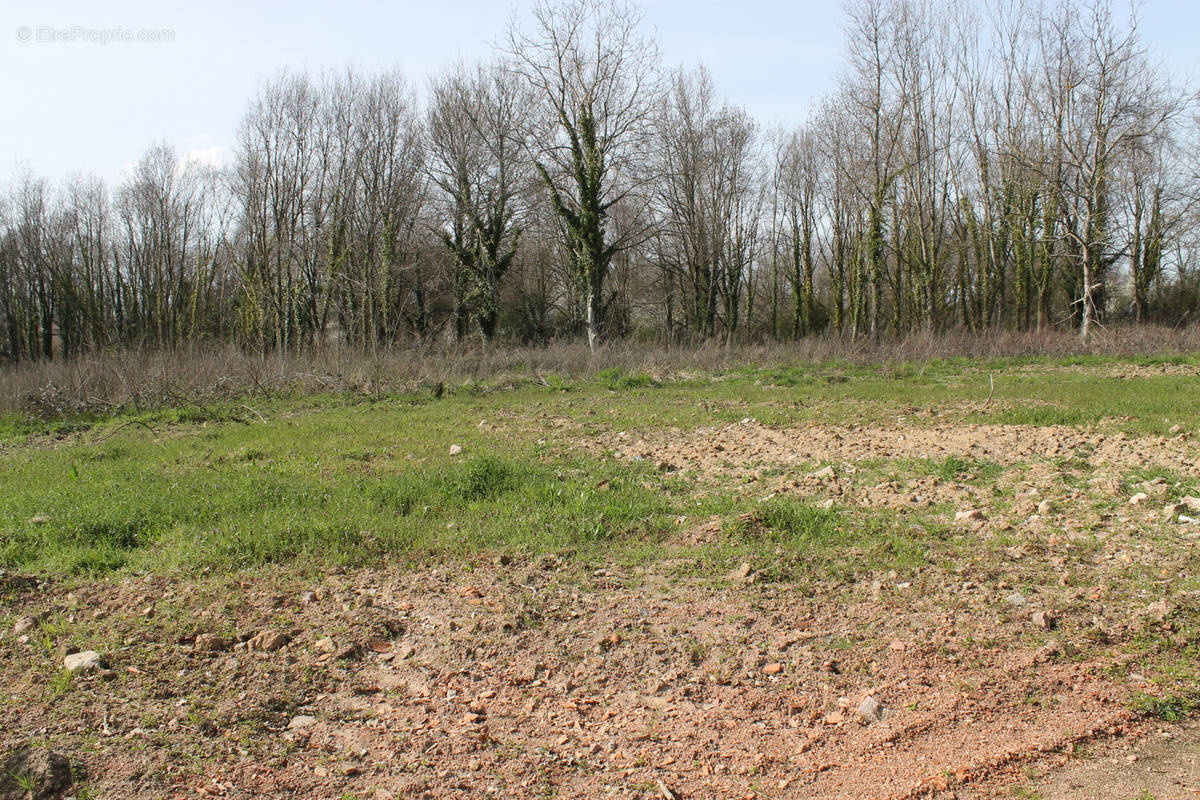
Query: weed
<point>1171,708</point>
<point>61,683</point>
<point>955,468</point>
<point>615,378</point>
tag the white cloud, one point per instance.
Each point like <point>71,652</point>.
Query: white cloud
<point>212,156</point>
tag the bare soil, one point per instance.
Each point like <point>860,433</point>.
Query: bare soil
<point>537,677</point>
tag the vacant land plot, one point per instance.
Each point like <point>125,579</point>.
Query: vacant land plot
<point>941,580</point>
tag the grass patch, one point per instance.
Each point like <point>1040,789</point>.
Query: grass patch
<point>1170,708</point>
<point>791,540</point>
<point>353,479</point>
<point>617,379</point>
<point>1041,416</point>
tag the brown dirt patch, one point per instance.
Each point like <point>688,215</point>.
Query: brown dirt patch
<point>749,445</point>
<point>533,678</point>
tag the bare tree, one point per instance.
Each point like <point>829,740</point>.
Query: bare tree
<point>597,77</point>
<point>160,209</point>
<point>706,192</point>
<point>477,135</point>
<point>1098,89</point>
<point>874,94</point>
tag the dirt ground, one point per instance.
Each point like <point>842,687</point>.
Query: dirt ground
<point>528,678</point>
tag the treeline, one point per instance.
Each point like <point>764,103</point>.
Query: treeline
<point>1006,165</point>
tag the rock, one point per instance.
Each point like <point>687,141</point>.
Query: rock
<point>1017,600</point>
<point>836,718</point>
<point>410,786</point>
<point>824,473</point>
<point>308,598</point>
<point>83,663</point>
<point>1044,620</point>
<point>1045,507</point>
<point>1171,509</point>
<point>1025,507</point>
<point>301,722</point>
<point>1157,486</point>
<point>1192,503</point>
<point>210,643</point>
<point>455,449</point>
<point>870,709</point>
<point>969,516</point>
<point>742,573</point>
<point>527,671</point>
<point>1138,499</point>
<point>25,624</point>
<point>268,641</point>
<point>1159,610</point>
<point>30,773</point>
<point>325,645</point>
<point>773,669</point>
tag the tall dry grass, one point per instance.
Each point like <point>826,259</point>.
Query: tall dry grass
<point>145,379</point>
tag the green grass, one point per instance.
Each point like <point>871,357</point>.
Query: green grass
<point>167,505</point>
<point>358,480</point>
<point>617,379</point>
<point>956,468</point>
<point>1171,708</point>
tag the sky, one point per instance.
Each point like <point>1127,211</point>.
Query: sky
<point>185,72</point>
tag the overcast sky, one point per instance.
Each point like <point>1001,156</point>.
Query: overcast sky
<point>82,105</point>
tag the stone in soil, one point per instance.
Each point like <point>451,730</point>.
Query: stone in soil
<point>1016,599</point>
<point>1044,620</point>
<point>210,643</point>
<point>742,573</point>
<point>25,624</point>
<point>268,641</point>
<point>870,709</point>
<point>83,663</point>
<point>409,786</point>
<point>1170,510</point>
<point>969,516</point>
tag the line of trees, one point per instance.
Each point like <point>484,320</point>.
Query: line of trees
<point>1006,164</point>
